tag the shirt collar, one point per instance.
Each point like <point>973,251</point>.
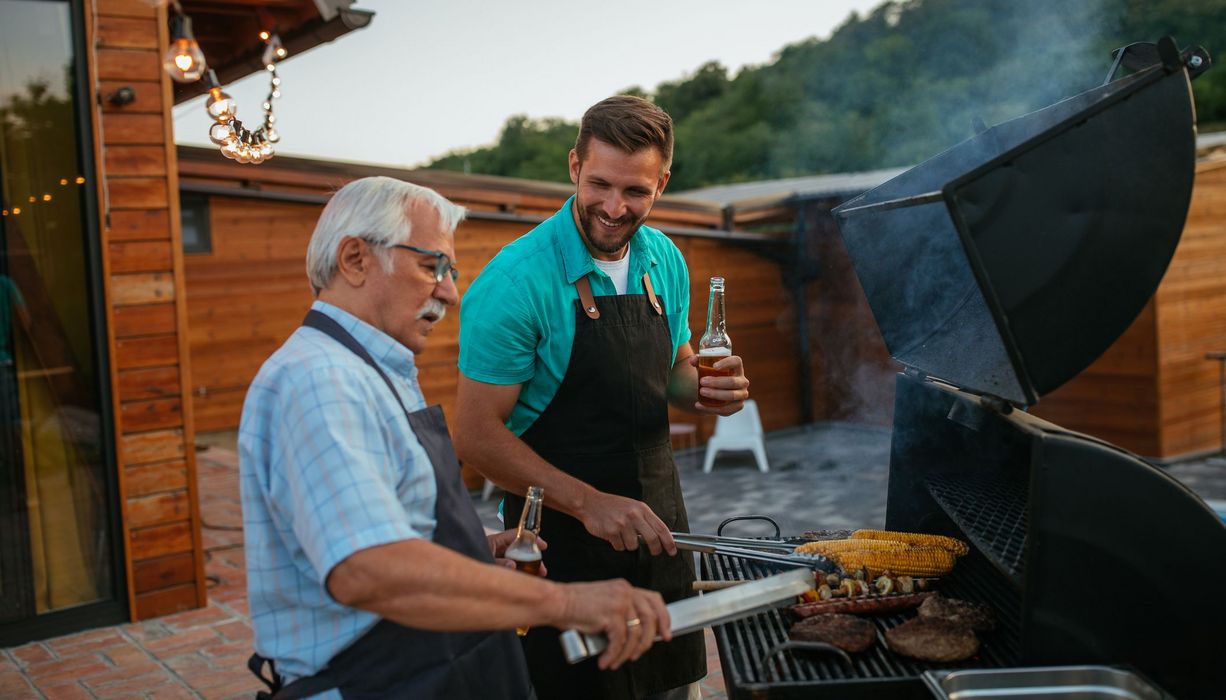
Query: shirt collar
<point>577,259</point>
<point>385,349</point>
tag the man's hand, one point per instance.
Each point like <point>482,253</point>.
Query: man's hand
<point>499,541</point>
<point>623,522</point>
<point>631,618</point>
<point>734,388</point>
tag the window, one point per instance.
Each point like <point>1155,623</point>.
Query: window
<point>194,214</point>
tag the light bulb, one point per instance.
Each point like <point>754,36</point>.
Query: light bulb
<point>255,154</point>
<point>184,60</point>
<point>220,106</point>
<point>242,154</point>
<point>221,134</point>
<point>267,149</point>
<point>230,149</point>
<point>272,135</point>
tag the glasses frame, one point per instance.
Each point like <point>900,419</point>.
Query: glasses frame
<point>442,265</point>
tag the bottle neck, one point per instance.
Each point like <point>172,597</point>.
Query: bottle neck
<point>715,313</point>
<point>530,519</point>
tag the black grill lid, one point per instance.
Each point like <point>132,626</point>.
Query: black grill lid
<point>1010,262</point>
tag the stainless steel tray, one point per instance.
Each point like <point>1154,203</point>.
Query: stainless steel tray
<point>1043,683</point>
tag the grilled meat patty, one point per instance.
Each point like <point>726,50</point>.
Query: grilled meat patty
<point>846,632</point>
<point>977,616</point>
<point>932,640</point>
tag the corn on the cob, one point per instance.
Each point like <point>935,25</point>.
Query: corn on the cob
<point>828,547</point>
<point>956,546</point>
<point>912,561</point>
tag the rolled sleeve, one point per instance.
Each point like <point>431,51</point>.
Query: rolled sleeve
<point>498,331</point>
<point>337,488</point>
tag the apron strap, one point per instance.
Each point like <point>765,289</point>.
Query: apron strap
<point>589,301</point>
<point>301,688</point>
<point>323,322</point>
<point>586,298</point>
<point>651,294</point>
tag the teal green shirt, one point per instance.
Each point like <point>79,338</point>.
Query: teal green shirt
<point>517,320</point>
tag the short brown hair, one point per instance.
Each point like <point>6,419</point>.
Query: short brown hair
<point>629,123</point>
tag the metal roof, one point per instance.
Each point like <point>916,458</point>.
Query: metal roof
<point>811,186</point>
<point>766,192</point>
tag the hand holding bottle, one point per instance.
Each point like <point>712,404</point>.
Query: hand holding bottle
<point>722,386</point>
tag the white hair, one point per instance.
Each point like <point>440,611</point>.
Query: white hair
<point>375,209</point>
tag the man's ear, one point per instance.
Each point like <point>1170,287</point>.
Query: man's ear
<point>574,166</point>
<point>353,260</point>
<point>662,183</point>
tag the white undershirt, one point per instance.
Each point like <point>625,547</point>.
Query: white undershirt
<point>617,270</point>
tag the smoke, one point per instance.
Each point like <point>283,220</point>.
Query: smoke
<point>998,61</point>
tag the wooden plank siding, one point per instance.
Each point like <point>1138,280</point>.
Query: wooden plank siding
<point>1191,322</point>
<point>248,294</point>
<point>146,320</point>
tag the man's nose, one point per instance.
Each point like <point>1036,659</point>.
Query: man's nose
<point>613,207</point>
<point>447,291</point>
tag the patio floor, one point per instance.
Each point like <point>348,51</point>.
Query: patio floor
<point>823,476</point>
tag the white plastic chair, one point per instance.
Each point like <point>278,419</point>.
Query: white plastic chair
<point>739,431</point>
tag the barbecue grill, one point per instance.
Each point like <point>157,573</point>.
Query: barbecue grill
<point>997,271</point>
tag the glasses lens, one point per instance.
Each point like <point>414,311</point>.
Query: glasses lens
<point>443,268</point>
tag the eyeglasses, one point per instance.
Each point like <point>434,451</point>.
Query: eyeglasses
<point>442,264</point>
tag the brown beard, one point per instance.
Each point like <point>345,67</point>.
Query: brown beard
<point>586,221</point>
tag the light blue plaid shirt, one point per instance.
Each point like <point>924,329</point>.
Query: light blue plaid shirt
<point>329,466</point>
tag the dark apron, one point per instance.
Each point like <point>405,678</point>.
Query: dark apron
<point>393,661</point>
<point>608,426</point>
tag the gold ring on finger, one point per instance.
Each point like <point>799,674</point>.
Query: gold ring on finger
<point>633,622</point>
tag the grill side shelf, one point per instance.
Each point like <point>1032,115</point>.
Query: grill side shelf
<point>991,512</point>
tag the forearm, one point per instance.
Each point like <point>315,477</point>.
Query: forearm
<point>508,461</point>
<point>683,386</point>
<point>426,586</point>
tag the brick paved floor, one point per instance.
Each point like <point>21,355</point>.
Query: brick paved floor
<point>824,476</point>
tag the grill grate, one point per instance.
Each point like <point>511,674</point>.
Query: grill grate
<point>991,511</point>
<point>744,642</point>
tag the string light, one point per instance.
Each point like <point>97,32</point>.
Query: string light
<point>80,180</point>
<point>183,60</point>
<point>235,141</point>
<point>16,211</point>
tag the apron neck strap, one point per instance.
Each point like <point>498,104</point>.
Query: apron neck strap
<point>324,323</point>
<point>589,301</point>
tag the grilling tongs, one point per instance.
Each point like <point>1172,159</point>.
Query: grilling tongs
<point>693,614</point>
<point>756,550</point>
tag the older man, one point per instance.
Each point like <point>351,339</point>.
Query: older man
<point>368,570</point>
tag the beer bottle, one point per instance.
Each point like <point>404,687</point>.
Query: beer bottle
<point>524,551</point>
<point>715,343</point>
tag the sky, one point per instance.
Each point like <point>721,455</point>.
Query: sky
<point>430,76</point>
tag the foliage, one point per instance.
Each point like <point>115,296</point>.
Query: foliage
<point>891,88</point>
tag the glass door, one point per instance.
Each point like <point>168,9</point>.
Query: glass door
<point>59,565</point>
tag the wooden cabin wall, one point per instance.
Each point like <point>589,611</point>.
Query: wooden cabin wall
<point>150,367</point>
<point>1192,321</point>
<point>761,323</point>
<point>244,298</point>
<point>247,295</point>
<point>1116,397</point>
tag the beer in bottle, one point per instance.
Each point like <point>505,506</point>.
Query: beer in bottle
<point>715,344</point>
<point>524,551</point>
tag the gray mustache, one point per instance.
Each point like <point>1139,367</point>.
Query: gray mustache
<point>432,306</point>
